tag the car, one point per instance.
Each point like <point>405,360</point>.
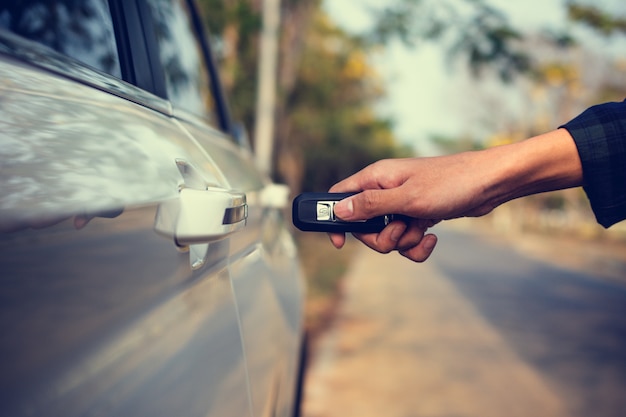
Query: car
<point>147,266</point>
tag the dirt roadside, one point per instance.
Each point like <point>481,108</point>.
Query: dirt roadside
<point>372,362</point>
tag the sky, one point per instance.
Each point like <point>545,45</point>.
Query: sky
<point>425,97</point>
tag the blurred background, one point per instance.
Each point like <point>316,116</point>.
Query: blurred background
<point>355,81</point>
<point>358,81</point>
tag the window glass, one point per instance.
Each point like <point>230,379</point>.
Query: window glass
<point>186,73</point>
<point>81,29</point>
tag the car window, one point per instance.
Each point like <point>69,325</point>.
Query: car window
<point>81,29</point>
<point>186,72</point>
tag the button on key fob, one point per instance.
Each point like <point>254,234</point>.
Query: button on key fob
<point>314,212</point>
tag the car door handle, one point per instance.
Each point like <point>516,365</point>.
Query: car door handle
<point>201,216</point>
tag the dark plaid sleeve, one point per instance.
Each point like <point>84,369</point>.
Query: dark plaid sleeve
<point>600,135</point>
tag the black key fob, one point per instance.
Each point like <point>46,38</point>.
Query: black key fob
<point>314,212</point>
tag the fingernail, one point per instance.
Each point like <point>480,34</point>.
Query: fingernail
<point>430,242</point>
<point>344,209</point>
<point>337,244</point>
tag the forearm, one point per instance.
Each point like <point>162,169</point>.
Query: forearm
<point>543,163</point>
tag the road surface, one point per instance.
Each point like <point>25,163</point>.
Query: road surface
<point>479,330</point>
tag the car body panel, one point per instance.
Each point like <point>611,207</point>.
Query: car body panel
<point>105,309</point>
<point>266,279</point>
<point>96,305</point>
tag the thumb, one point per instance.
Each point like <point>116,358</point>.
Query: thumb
<point>368,204</point>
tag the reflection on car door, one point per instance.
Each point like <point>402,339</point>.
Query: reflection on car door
<point>99,314</point>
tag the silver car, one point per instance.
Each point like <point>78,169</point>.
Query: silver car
<point>145,265</point>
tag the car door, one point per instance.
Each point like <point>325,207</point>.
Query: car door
<point>267,282</point>
<point>105,307</point>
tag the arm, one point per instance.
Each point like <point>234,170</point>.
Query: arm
<point>466,184</point>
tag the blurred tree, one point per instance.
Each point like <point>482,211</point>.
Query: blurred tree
<point>329,113</point>
<point>480,33</point>
<point>472,29</point>
<point>234,26</point>
<point>326,127</point>
<point>603,21</point>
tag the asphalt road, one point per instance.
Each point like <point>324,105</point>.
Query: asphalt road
<point>481,329</point>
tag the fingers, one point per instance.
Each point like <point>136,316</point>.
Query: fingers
<point>421,251</point>
<point>337,239</point>
<point>357,182</point>
<point>413,235</point>
<point>410,240</point>
<point>385,241</point>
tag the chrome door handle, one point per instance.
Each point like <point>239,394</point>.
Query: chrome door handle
<point>201,216</point>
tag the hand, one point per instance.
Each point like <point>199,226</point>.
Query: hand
<point>426,189</point>
<point>409,239</point>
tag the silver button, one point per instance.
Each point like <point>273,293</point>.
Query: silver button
<point>325,211</point>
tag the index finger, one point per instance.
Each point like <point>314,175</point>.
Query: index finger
<point>365,179</point>
<point>345,186</point>
<point>371,203</point>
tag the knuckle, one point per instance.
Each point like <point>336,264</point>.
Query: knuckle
<point>373,242</point>
<point>370,201</point>
<point>380,248</point>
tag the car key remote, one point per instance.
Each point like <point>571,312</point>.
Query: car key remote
<point>314,212</point>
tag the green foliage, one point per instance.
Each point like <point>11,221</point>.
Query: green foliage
<point>479,33</point>
<point>601,20</point>
<point>331,108</point>
<point>469,29</point>
<point>487,40</point>
<point>325,116</point>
